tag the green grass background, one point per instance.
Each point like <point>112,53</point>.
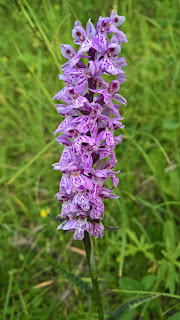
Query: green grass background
<point>144,255</point>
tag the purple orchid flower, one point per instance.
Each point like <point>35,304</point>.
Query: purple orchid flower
<point>82,37</point>
<point>90,119</point>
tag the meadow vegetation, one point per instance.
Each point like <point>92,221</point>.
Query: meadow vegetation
<point>144,254</point>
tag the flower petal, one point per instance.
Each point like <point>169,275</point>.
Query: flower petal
<point>96,230</point>
<point>63,109</point>
<point>79,34</point>
<point>64,140</point>
<point>82,200</point>
<point>70,225</point>
<point>59,94</point>
<point>81,85</point>
<point>82,181</point>
<point>90,29</point>
<point>118,98</point>
<point>67,51</point>
<point>85,46</point>
<point>87,161</point>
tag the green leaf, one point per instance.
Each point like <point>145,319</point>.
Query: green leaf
<point>128,283</point>
<point>171,124</point>
<point>174,183</point>
<point>169,232</point>
<point>172,278</point>
<point>119,313</point>
<point>138,246</point>
<point>131,250</point>
<point>77,281</point>
<point>132,236</point>
<point>162,270</point>
<point>175,316</point>
<point>148,281</point>
<point>159,164</point>
<point>149,255</point>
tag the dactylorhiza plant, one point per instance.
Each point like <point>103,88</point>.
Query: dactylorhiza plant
<point>87,131</point>
<point>90,119</point>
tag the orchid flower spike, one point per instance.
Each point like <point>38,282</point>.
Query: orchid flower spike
<point>90,119</point>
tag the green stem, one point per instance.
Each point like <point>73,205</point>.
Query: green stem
<point>88,244</point>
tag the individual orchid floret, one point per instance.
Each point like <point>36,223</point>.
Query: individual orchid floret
<point>67,51</point>
<point>110,24</point>
<point>111,63</point>
<point>91,118</point>
<point>82,38</point>
<point>79,77</point>
<point>103,25</point>
<point>110,94</point>
<point>117,20</point>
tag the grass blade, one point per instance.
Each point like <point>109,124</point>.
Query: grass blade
<point>11,275</point>
<point>27,165</point>
<point>43,34</point>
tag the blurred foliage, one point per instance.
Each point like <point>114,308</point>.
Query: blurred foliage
<point>144,253</point>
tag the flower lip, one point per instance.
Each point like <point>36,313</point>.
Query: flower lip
<point>75,173</point>
<point>113,87</point>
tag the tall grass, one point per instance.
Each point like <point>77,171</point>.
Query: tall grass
<point>144,254</point>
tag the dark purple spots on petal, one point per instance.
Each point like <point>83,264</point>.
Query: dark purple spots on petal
<point>116,19</point>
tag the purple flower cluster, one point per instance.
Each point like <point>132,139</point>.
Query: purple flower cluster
<point>90,118</point>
